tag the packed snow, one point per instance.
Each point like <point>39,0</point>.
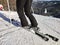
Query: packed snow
<point>13,34</point>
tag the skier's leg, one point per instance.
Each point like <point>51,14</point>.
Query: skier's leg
<point>27,9</point>
<point>20,6</point>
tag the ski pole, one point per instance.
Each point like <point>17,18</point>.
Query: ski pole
<point>9,10</point>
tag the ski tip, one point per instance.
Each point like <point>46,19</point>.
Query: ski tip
<point>53,38</point>
<point>56,39</point>
<point>12,19</point>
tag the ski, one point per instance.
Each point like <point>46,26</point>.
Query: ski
<point>42,36</point>
<point>53,38</point>
<point>39,34</point>
<point>15,22</point>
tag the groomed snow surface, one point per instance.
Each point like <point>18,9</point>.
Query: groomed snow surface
<point>13,34</point>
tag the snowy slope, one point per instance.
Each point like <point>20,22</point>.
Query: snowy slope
<point>12,34</point>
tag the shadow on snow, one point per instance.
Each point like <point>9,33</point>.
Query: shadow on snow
<point>14,22</point>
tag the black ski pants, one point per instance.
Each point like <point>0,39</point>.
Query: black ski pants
<point>25,6</point>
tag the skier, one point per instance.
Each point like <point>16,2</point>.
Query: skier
<point>1,7</point>
<point>25,6</point>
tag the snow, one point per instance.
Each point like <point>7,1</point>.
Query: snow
<point>12,34</point>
